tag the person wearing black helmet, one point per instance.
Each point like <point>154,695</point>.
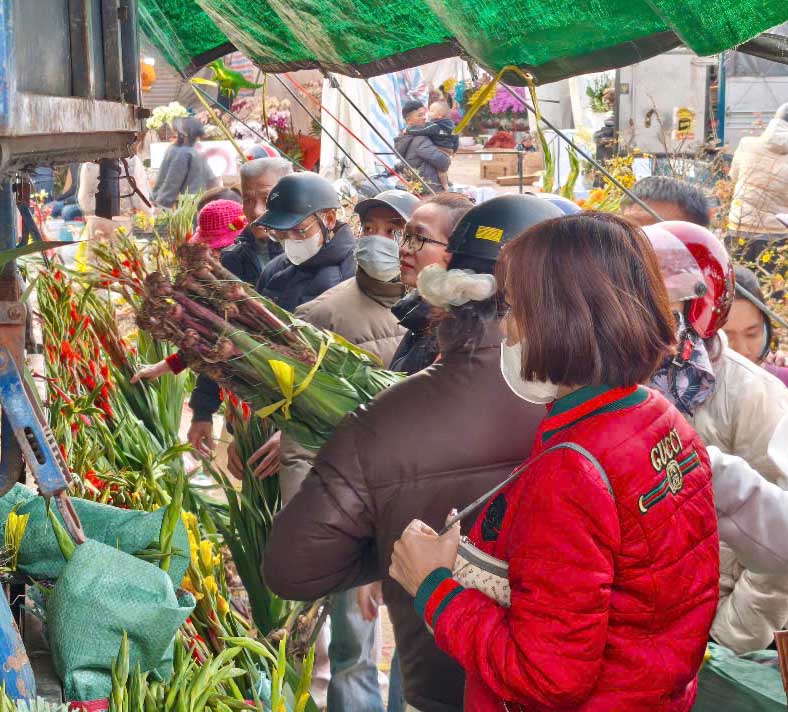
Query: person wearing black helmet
<point>359,310</point>
<point>301,213</point>
<point>437,440</point>
<point>183,169</point>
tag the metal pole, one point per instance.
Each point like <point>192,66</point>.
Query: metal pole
<point>227,111</point>
<point>108,194</point>
<point>520,166</point>
<point>739,289</point>
<point>585,155</point>
<point>323,129</point>
<point>335,85</point>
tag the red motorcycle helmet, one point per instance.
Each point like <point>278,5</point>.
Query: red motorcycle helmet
<point>708,313</point>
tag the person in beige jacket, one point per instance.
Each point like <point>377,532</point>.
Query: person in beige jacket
<point>760,173</point>
<point>741,417</point>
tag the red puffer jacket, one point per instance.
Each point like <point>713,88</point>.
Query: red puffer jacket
<point>612,596</point>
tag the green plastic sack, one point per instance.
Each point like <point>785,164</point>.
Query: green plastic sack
<point>101,593</point>
<point>128,530</point>
<point>744,683</point>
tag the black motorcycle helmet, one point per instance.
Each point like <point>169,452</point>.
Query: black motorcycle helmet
<point>478,238</point>
<point>401,201</point>
<point>294,198</point>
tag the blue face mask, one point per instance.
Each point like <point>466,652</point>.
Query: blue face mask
<point>378,256</point>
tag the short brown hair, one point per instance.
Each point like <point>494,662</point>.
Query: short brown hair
<point>457,205</point>
<point>588,301</point>
<point>218,193</point>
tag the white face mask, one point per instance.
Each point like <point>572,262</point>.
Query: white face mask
<point>541,392</point>
<point>299,251</point>
<point>378,256</point>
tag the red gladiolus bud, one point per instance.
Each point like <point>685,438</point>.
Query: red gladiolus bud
<point>246,410</point>
<point>74,427</point>
<point>115,272</point>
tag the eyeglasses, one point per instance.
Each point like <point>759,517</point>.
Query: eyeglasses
<point>302,231</point>
<point>395,235</point>
<point>416,242</point>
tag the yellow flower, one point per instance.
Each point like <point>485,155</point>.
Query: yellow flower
<point>222,605</point>
<point>206,555</point>
<point>188,585</point>
<point>189,520</point>
<point>742,242</point>
<point>766,257</point>
<point>15,527</point>
<point>210,585</point>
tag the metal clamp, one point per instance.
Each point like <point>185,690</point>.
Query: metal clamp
<point>70,518</point>
<point>12,313</point>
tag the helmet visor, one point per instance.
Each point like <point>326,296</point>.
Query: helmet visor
<point>680,271</point>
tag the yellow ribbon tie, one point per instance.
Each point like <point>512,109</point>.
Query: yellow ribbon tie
<point>381,103</point>
<point>285,379</point>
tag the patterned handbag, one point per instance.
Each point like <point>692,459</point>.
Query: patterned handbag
<point>474,568</point>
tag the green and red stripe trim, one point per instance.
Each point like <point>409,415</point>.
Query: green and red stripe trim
<point>434,594</point>
<point>687,465</point>
<point>587,402</point>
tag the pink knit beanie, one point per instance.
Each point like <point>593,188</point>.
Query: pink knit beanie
<point>219,223</point>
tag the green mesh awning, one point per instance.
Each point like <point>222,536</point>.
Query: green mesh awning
<point>551,39</point>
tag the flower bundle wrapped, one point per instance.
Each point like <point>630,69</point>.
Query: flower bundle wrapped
<point>305,379</point>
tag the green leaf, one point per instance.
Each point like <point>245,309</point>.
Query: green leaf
<point>32,248</point>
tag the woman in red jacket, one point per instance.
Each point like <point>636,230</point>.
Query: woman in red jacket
<point>609,532</point>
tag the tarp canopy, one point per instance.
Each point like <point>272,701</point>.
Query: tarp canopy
<point>365,38</point>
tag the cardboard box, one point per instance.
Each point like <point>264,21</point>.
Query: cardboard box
<point>495,164</point>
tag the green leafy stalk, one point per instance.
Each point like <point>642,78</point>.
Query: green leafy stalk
<point>170,522</point>
<point>568,189</point>
<point>64,541</point>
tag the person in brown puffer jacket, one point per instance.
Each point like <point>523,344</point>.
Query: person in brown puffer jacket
<point>437,440</point>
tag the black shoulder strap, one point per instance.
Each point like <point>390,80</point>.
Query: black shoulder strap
<point>473,506</point>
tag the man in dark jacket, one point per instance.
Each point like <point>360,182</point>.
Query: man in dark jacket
<point>246,258</point>
<point>253,249</point>
<point>419,151</point>
<point>318,250</point>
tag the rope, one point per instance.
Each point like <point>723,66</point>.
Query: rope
<point>323,129</point>
<point>352,135</point>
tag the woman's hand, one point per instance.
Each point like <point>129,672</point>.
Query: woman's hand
<point>234,463</point>
<point>370,598</point>
<point>419,551</point>
<point>268,456</point>
<point>200,437</point>
<point>150,373</point>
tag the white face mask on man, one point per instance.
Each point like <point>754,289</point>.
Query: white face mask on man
<point>378,256</point>
<point>540,392</point>
<point>299,251</point>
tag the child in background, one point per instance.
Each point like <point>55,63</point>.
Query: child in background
<point>440,130</point>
